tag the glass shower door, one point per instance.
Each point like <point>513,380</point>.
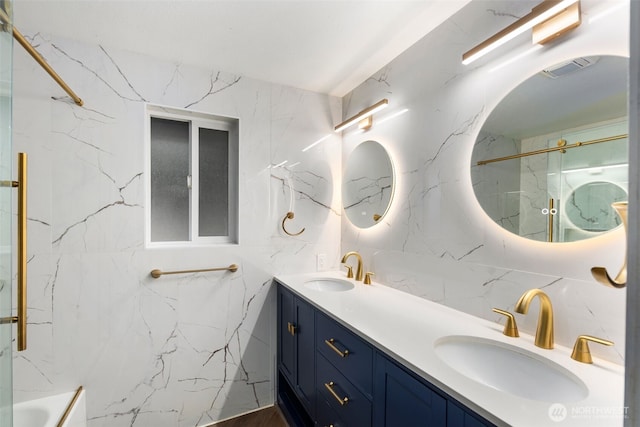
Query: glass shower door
<point>6,220</point>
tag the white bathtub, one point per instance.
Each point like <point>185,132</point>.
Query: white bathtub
<point>48,411</point>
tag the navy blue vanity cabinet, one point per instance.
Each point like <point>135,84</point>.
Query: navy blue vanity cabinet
<point>402,400</point>
<point>329,376</point>
<point>296,356</point>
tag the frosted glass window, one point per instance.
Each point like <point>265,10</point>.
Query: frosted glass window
<point>193,177</point>
<point>169,172</point>
<point>214,182</point>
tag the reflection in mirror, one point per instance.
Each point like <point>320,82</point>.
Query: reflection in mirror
<point>588,206</point>
<point>552,156</point>
<point>367,185</point>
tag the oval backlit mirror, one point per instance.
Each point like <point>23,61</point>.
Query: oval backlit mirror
<point>552,156</point>
<point>367,184</point>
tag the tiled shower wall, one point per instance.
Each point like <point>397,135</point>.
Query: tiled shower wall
<point>179,350</point>
<point>436,242</point>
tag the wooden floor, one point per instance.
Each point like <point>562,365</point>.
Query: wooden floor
<point>268,417</point>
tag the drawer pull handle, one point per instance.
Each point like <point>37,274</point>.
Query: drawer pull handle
<point>330,342</point>
<point>341,400</point>
<point>291,328</point>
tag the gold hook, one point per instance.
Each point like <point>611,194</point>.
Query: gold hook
<point>600,273</point>
<point>290,215</point>
<point>602,276</point>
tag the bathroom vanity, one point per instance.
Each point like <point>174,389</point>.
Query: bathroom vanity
<point>351,354</point>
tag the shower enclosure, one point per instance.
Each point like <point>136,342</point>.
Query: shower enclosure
<point>6,219</point>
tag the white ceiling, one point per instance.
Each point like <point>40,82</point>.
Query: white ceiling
<point>325,46</point>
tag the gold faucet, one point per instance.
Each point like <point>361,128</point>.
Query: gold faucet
<point>359,268</point>
<point>544,331</point>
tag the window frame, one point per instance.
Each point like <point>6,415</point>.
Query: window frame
<point>196,121</point>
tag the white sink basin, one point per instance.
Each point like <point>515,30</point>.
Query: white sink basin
<point>329,285</point>
<point>510,369</point>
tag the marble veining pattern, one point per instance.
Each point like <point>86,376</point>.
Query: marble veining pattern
<point>180,350</point>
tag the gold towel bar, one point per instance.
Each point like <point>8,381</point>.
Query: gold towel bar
<point>157,273</point>
<point>69,407</point>
<point>39,59</point>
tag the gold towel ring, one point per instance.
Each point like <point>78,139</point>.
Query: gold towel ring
<point>290,215</point>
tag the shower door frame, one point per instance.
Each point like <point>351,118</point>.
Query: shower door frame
<point>6,220</point>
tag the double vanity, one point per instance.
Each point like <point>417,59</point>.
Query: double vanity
<point>352,354</point>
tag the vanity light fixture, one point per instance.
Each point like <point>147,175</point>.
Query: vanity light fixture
<point>557,25</point>
<point>553,11</point>
<point>363,115</point>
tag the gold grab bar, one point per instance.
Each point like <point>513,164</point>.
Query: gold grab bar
<point>549,150</point>
<point>21,318</point>
<point>551,215</point>
<point>157,273</point>
<point>39,59</point>
<point>69,407</point>
<point>22,251</point>
<point>290,215</point>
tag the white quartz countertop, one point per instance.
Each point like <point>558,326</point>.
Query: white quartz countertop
<point>407,328</point>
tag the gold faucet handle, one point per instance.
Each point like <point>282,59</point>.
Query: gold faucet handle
<point>510,328</point>
<point>349,271</point>
<point>581,351</point>
<point>367,277</point>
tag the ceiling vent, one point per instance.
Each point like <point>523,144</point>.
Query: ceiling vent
<point>565,68</point>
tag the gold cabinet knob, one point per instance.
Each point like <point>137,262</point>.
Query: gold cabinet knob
<point>581,351</point>
<point>510,328</point>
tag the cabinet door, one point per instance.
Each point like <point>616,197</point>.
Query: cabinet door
<point>402,400</point>
<point>458,416</point>
<point>286,339</point>
<point>306,355</point>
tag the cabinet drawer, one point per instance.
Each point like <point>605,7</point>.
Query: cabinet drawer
<point>347,352</point>
<point>327,416</point>
<point>349,404</point>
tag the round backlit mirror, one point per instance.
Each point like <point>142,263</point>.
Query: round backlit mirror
<point>552,155</point>
<point>367,184</point>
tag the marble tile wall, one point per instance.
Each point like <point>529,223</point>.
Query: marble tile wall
<point>436,241</point>
<point>179,350</point>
